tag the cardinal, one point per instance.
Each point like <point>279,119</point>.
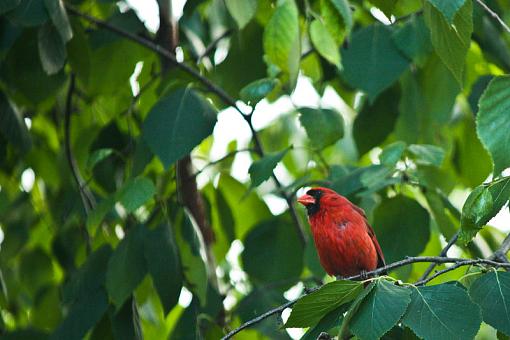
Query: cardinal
<point>345,242</point>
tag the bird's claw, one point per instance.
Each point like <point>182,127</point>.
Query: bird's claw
<point>363,275</point>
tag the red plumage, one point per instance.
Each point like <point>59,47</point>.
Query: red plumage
<point>345,242</point>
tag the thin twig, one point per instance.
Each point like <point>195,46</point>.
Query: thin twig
<point>494,15</point>
<point>426,280</point>
<point>441,254</point>
<point>86,196</point>
<point>500,254</point>
<point>219,160</point>
<point>213,44</point>
<point>459,262</point>
<point>210,86</point>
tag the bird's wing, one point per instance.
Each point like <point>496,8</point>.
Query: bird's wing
<point>371,233</point>
<point>380,255</point>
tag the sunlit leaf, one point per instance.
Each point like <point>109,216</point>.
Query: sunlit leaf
<point>310,309</point>
<point>492,121</point>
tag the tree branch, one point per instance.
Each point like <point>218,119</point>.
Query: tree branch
<point>213,44</point>
<point>441,254</point>
<point>86,196</point>
<point>208,84</point>
<point>459,262</point>
<point>219,160</point>
<point>494,15</point>
<point>500,254</point>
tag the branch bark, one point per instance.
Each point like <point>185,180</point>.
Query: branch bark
<point>459,262</point>
<point>86,196</point>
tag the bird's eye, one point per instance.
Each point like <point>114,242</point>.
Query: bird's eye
<point>314,193</point>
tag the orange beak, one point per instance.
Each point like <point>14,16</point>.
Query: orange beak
<point>306,200</point>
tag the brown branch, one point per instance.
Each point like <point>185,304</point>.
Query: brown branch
<point>441,254</point>
<point>459,262</point>
<point>86,196</point>
<point>208,84</point>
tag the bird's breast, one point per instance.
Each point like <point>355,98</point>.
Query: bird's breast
<point>344,246</point>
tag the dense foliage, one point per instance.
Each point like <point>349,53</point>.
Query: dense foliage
<point>105,133</point>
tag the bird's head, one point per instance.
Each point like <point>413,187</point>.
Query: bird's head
<point>317,198</point>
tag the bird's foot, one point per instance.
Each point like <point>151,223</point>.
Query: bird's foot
<point>339,277</point>
<point>363,275</point>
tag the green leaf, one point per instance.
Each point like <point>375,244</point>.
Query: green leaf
<point>451,42</point>
<point>441,312</point>
<point>135,193</point>
<point>127,266</point>
<point>97,156</point>
<point>344,9</point>
<point>246,48</point>
<point>248,209</point>
<point>29,13</point>
<point>282,248</point>
<point>492,123</point>
<point>492,293</point>
<point>468,151</point>
<point>413,39</point>
<point>124,322</point>
<point>59,18</point>
<point>392,153</point>
<point>12,125</point>
<point>178,123</point>
<point>7,5</point>
<point>380,310</point>
<point>324,43</point>
<point>262,299</point>
<point>424,154</point>
<point>162,256</point>
<point>281,40</point>
<point>256,91</point>
<point>500,192</point>
<point>376,120</point>
<point>327,323</point>
<point>324,127</point>
<point>82,316</point>
<point>89,277</point>
<point>190,246</point>
<point>242,10</point>
<point>448,8</point>
<point>475,212</point>
<point>441,214</point>
<point>353,308</point>
<point>391,218</point>
<point>52,50</point>
<point>36,269</point>
<point>262,169</point>
<point>310,309</point>
<point>372,51</point>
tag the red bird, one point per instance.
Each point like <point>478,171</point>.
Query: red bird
<point>345,242</point>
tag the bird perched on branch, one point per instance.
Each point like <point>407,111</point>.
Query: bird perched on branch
<point>345,242</point>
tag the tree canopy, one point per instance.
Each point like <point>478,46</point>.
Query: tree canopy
<point>122,216</point>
